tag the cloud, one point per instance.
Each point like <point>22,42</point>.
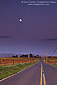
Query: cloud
<point>5,36</point>
<point>52,39</point>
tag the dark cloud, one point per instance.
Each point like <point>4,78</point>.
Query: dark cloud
<point>5,36</point>
<point>54,39</point>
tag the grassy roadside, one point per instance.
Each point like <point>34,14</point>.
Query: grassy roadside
<point>54,65</point>
<point>6,71</point>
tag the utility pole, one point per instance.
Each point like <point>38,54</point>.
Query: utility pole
<point>46,55</point>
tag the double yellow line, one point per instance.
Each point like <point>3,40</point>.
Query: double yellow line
<point>42,76</point>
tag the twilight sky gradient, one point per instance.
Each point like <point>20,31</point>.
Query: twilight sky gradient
<point>35,34</point>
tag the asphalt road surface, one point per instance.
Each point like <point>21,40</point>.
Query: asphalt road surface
<point>50,74</point>
<point>32,76</point>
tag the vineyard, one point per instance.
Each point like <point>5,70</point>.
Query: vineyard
<point>4,61</point>
<point>9,66</point>
<point>51,60</point>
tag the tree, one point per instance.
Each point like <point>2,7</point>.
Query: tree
<point>31,55</point>
<point>15,56</point>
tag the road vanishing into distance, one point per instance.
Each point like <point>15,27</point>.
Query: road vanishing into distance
<point>38,74</point>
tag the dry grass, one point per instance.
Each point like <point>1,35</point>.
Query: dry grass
<point>5,61</point>
<point>52,60</point>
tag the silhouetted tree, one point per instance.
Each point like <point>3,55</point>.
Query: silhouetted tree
<point>24,56</point>
<point>15,56</point>
<point>31,55</point>
<point>37,56</point>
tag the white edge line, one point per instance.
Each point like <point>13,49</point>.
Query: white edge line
<point>15,73</point>
<point>52,65</point>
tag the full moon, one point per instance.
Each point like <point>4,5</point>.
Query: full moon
<point>20,20</point>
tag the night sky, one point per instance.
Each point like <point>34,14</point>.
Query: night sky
<point>36,33</point>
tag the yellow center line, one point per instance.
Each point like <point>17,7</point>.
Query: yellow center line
<point>42,77</point>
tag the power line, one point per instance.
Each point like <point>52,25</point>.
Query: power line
<point>54,51</point>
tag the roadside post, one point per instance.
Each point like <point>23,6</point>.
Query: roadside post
<point>13,61</point>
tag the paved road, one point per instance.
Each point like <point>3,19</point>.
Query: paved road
<point>32,76</point>
<point>50,74</point>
